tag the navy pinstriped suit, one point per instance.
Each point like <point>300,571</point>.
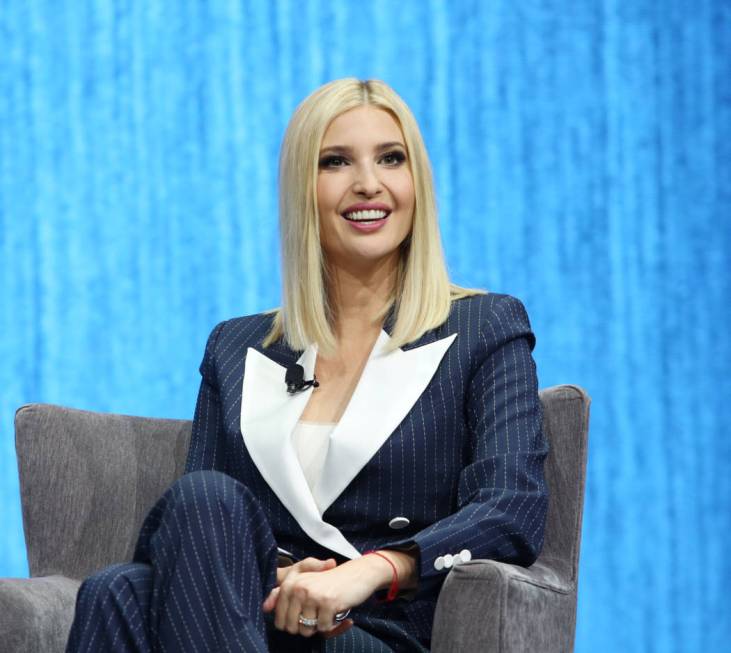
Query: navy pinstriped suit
<point>444,433</point>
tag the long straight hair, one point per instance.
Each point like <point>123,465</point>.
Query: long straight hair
<point>422,294</point>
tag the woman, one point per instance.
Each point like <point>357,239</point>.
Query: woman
<point>411,443</point>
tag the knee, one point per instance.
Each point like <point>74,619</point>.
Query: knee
<point>204,506</point>
<point>109,584</point>
<point>207,487</point>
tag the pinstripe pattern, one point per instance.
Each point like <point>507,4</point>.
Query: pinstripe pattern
<point>465,465</point>
<point>204,561</point>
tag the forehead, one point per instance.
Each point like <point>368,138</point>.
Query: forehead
<point>362,126</point>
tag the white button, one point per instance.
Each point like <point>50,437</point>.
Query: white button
<point>448,560</point>
<point>465,555</point>
<point>439,563</point>
<point>399,522</point>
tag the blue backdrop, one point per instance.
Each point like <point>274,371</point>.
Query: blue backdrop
<point>582,153</point>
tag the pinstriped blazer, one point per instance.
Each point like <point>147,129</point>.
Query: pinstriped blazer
<point>443,433</point>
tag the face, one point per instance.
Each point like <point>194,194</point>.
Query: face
<point>365,191</point>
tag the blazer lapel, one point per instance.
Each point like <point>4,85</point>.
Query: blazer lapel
<point>389,386</point>
<point>268,417</point>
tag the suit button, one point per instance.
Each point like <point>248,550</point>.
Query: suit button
<point>439,563</point>
<point>465,555</point>
<point>448,560</point>
<point>398,522</point>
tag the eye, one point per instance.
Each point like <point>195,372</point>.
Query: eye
<point>332,162</point>
<point>394,158</point>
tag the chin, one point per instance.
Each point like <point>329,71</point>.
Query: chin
<point>369,256</point>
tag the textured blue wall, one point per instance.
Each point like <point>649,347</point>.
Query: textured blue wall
<point>582,152</point>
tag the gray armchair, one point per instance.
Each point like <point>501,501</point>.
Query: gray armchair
<point>88,479</point>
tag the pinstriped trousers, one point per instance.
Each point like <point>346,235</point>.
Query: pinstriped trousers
<point>204,562</point>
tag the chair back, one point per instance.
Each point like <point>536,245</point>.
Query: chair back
<point>87,480</point>
<point>566,425</point>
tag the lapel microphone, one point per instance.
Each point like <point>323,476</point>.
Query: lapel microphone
<point>295,379</point>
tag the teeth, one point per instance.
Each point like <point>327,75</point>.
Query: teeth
<point>362,216</point>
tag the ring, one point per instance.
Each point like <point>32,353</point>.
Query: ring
<point>310,623</point>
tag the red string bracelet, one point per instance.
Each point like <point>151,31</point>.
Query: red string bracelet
<point>393,589</point>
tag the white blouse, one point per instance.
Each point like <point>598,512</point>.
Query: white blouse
<point>311,442</point>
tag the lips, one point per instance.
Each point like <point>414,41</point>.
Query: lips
<point>367,226</point>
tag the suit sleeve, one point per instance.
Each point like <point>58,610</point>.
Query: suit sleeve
<point>206,450</point>
<point>502,495</point>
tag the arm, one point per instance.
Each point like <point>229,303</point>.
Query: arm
<point>206,440</point>
<point>502,496</point>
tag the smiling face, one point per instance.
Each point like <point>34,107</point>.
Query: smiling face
<point>365,191</point>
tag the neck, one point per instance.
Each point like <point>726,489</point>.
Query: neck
<point>358,295</point>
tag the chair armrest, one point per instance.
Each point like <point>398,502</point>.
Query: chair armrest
<point>36,613</point>
<point>485,605</point>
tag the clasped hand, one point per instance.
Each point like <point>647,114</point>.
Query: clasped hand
<point>321,589</point>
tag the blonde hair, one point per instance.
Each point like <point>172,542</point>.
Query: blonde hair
<point>422,293</point>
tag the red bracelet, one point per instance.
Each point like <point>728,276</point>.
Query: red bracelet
<point>393,589</point>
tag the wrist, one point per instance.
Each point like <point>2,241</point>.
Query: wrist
<point>402,566</point>
<point>406,567</point>
<point>393,586</point>
<point>378,570</point>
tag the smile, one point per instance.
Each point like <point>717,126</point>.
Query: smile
<point>366,216</point>
<point>367,221</point>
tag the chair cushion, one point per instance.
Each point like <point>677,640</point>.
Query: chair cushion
<point>36,613</point>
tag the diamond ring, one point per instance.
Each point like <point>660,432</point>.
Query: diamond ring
<point>310,623</point>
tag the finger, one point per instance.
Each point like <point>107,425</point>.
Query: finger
<point>271,601</point>
<point>282,573</point>
<point>308,564</point>
<point>344,625</point>
<point>325,616</point>
<point>294,609</point>
<point>313,564</point>
<point>282,608</point>
<point>309,612</point>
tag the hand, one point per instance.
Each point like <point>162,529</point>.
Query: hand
<point>320,589</point>
<point>306,565</point>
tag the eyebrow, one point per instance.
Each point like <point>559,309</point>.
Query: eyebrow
<point>345,149</point>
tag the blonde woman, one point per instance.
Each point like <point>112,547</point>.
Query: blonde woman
<point>352,446</point>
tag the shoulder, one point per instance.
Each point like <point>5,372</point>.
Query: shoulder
<point>492,317</point>
<point>236,334</point>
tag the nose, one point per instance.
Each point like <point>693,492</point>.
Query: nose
<point>366,180</point>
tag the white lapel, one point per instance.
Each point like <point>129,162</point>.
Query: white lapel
<point>268,416</point>
<point>389,386</point>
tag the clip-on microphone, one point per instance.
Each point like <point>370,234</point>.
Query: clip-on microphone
<point>295,379</point>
